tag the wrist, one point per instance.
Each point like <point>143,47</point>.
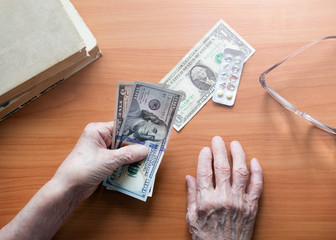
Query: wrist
<point>60,188</point>
<point>74,185</point>
<point>44,213</point>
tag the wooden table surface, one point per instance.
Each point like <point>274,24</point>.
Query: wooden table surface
<point>144,40</point>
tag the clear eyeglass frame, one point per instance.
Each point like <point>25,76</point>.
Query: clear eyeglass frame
<point>287,104</point>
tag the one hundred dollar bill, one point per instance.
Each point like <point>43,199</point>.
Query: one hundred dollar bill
<point>149,120</point>
<point>124,91</point>
<point>195,75</point>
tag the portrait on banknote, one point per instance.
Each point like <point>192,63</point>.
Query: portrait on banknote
<point>144,125</point>
<point>196,72</point>
<point>202,77</point>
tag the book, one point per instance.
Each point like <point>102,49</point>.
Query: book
<point>44,43</point>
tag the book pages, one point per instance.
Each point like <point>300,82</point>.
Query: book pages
<point>37,36</point>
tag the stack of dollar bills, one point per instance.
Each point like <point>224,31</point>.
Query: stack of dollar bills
<point>144,114</point>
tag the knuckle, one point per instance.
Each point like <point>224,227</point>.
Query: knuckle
<point>91,127</point>
<point>205,174</point>
<point>252,214</point>
<point>246,207</point>
<point>258,187</point>
<point>242,172</point>
<point>192,221</point>
<point>224,170</point>
<point>204,207</point>
<point>228,205</point>
<point>238,188</point>
<point>190,195</point>
<point>190,217</point>
<point>125,156</point>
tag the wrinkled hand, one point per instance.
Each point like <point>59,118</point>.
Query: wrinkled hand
<point>91,160</point>
<point>218,209</point>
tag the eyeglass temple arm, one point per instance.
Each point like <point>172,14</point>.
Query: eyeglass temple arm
<point>287,104</point>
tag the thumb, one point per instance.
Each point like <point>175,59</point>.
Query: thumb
<point>127,154</point>
<point>191,196</point>
<point>256,181</point>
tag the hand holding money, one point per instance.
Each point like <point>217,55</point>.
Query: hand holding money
<point>91,160</point>
<point>148,120</point>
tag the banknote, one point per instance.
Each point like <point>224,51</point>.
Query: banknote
<point>124,90</point>
<point>123,93</point>
<point>149,120</point>
<point>150,193</point>
<point>195,75</point>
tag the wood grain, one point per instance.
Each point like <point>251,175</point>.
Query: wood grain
<point>143,40</point>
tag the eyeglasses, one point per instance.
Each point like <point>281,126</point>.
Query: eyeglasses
<point>286,103</point>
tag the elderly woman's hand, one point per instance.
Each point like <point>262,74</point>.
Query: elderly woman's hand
<point>217,208</point>
<point>91,161</point>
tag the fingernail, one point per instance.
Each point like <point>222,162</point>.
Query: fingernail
<point>206,149</point>
<point>255,164</point>
<point>255,161</point>
<point>235,144</point>
<point>218,139</point>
